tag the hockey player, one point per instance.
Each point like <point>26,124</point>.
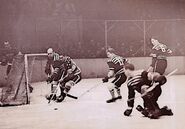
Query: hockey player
<point>8,54</point>
<point>72,77</point>
<point>141,81</point>
<point>116,65</point>
<point>52,56</point>
<point>49,68</point>
<point>66,74</point>
<point>159,60</point>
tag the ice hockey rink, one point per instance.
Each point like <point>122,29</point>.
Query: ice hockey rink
<point>90,111</point>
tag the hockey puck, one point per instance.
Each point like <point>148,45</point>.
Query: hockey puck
<point>55,108</point>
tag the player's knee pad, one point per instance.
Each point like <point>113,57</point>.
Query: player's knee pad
<point>110,86</point>
<point>68,85</point>
<point>53,86</point>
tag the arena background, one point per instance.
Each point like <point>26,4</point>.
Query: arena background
<point>83,29</point>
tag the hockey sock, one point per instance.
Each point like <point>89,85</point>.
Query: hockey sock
<point>112,93</point>
<point>111,90</point>
<point>118,91</point>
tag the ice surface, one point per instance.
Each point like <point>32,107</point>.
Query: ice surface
<point>91,111</point>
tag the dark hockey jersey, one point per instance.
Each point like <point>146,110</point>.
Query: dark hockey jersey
<point>66,63</point>
<point>134,84</point>
<point>159,55</point>
<point>50,62</point>
<point>70,64</point>
<point>117,64</point>
<point>160,52</point>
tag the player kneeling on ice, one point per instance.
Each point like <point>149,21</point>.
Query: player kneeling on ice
<point>149,85</point>
<point>116,64</point>
<point>66,74</point>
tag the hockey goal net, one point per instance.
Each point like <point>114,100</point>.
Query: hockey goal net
<point>26,69</point>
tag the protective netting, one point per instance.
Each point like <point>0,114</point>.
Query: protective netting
<point>15,91</point>
<point>26,69</point>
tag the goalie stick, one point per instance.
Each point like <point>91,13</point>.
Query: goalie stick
<point>152,87</point>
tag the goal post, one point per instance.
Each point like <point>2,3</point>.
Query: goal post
<point>29,60</point>
<point>25,69</point>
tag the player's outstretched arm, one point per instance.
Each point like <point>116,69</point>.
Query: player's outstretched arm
<point>109,75</point>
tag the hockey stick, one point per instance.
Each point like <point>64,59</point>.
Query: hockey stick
<point>72,96</point>
<point>152,87</point>
<point>54,93</point>
<point>85,92</point>
<point>58,86</point>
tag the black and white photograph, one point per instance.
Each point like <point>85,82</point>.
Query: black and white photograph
<point>92,64</point>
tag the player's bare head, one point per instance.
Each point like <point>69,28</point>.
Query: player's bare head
<point>155,76</point>
<point>50,52</point>
<point>129,68</point>
<point>110,52</point>
<point>155,43</point>
<point>152,75</point>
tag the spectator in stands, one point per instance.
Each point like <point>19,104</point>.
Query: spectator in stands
<point>8,54</point>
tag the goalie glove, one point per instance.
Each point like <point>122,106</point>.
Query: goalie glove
<point>106,79</point>
<point>128,111</point>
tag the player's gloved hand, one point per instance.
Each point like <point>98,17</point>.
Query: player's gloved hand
<point>47,71</point>
<point>153,55</point>
<point>106,79</point>
<point>127,112</point>
<point>49,80</point>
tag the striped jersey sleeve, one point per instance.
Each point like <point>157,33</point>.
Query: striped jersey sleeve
<point>134,81</point>
<point>116,64</point>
